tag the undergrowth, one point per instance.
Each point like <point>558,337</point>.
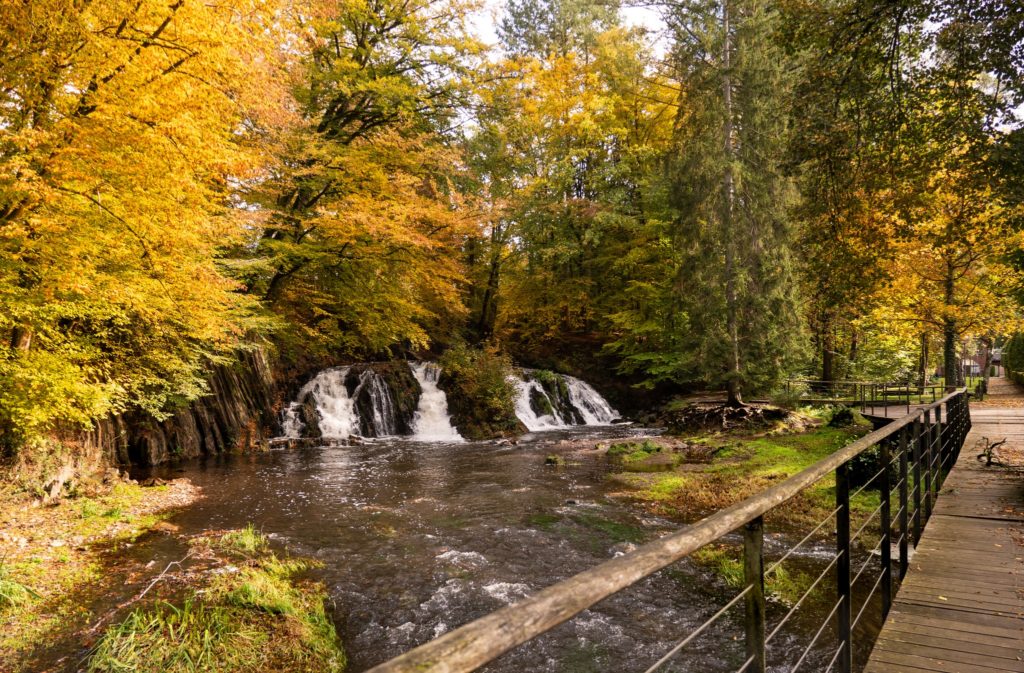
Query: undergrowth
<point>254,613</point>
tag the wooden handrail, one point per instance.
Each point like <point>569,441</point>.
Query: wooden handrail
<point>483,640</point>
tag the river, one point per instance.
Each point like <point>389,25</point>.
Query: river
<point>418,538</point>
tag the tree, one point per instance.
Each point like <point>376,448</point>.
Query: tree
<point>122,126</point>
<point>359,246</point>
<point>733,195</point>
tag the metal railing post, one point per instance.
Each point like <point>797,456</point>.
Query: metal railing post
<point>927,438</point>
<point>886,523</point>
<point>843,588</point>
<point>904,506</point>
<point>753,574</point>
<point>918,427</point>
<point>941,442</point>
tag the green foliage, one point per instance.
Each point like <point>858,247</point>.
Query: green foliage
<point>12,592</point>
<point>1013,353</point>
<point>634,451</point>
<point>246,540</point>
<point>261,616</point>
<point>481,394</point>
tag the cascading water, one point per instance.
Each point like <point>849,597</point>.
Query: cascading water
<point>395,399</point>
<point>382,417</point>
<point>548,401</point>
<point>432,423</point>
<point>334,406</point>
<point>588,402</point>
<point>533,420</point>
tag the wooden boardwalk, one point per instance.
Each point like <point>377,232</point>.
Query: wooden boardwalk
<point>960,608</point>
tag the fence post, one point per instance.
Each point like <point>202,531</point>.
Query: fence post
<point>941,441</point>
<point>886,523</point>
<point>753,575</point>
<point>917,479</point>
<point>904,505</point>
<point>927,438</point>
<point>843,589</point>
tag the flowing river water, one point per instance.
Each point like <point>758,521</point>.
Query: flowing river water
<point>418,538</point>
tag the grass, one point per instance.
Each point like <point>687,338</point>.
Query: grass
<point>57,568</point>
<point>783,585</point>
<point>743,466</point>
<point>12,592</point>
<point>261,617</point>
<point>247,540</point>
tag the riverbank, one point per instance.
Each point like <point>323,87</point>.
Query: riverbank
<point>79,588</point>
<point>60,563</point>
<point>685,478</point>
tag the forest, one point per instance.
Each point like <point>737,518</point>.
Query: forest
<point>761,190</point>
<point>328,326</point>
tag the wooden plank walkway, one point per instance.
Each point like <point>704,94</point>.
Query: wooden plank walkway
<point>961,606</point>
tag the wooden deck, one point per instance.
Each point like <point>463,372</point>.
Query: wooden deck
<point>961,606</point>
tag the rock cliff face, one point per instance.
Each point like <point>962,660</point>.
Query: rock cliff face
<point>237,414</point>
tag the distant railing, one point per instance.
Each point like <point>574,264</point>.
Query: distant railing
<point>872,396</point>
<point>918,448</point>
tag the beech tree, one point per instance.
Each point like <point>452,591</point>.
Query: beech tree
<point>122,125</point>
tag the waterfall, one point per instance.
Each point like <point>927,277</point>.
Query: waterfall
<point>533,420</point>
<point>431,422</point>
<point>344,403</point>
<point>381,421</point>
<point>395,399</point>
<point>595,409</point>
<point>334,407</point>
<point>548,401</point>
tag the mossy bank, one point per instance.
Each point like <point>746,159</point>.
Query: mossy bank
<point>80,589</point>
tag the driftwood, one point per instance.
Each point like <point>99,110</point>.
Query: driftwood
<point>698,417</point>
<point>988,451</point>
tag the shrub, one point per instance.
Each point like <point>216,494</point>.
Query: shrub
<point>479,384</point>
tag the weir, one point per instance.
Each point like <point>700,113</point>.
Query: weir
<point>360,401</point>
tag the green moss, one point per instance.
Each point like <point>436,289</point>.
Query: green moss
<point>260,618</point>
<point>543,521</point>
<point>743,467</point>
<point>619,532</point>
<point>634,452</point>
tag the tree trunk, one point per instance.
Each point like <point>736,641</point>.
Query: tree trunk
<point>21,338</point>
<point>827,353</point>
<point>728,195</point>
<point>949,368</point>
<point>986,344</point>
<point>922,366</point>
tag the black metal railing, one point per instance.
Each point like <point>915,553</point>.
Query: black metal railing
<point>913,455</point>
<point>875,397</point>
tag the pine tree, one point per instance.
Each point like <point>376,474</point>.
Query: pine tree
<point>733,195</point>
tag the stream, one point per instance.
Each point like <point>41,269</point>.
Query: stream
<point>418,538</point>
